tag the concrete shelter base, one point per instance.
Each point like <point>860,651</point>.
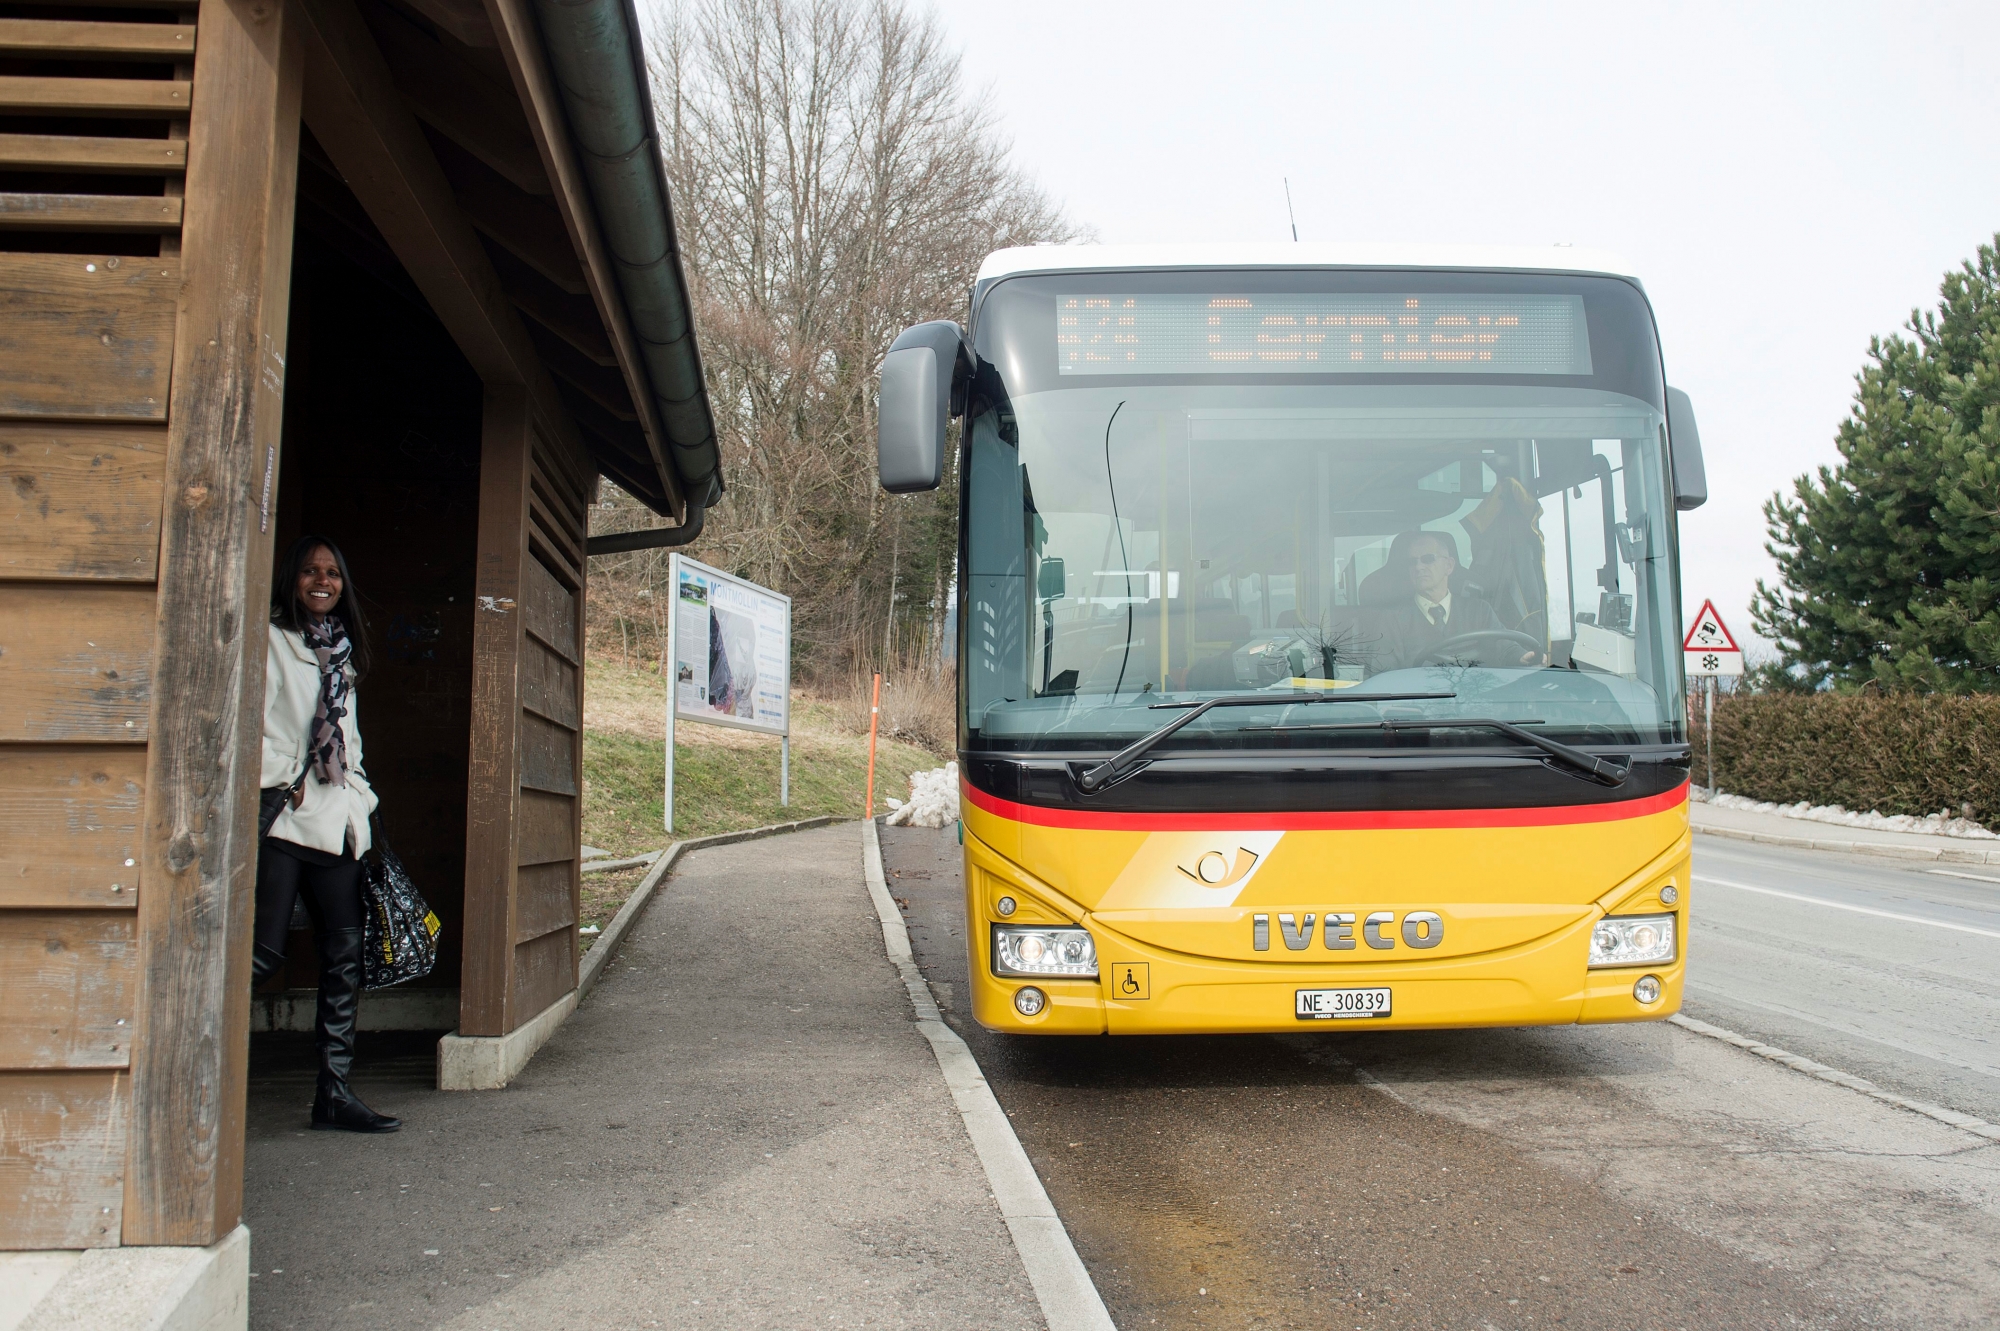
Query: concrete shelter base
<point>489,1062</point>
<point>135,1288</point>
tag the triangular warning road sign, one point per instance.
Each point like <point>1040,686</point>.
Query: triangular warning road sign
<point>1709,634</point>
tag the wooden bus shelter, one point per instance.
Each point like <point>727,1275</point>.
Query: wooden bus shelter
<point>397,271</point>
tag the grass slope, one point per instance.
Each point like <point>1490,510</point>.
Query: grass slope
<point>724,780</point>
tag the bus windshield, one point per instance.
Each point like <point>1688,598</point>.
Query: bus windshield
<point>1131,541</point>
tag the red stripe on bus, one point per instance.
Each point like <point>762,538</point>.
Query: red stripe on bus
<point>1562,815</point>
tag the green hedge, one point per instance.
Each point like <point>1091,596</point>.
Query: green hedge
<point>1896,753</point>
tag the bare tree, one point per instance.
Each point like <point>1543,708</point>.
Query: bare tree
<point>834,182</point>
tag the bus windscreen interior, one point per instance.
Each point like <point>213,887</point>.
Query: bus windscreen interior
<point>1168,533</point>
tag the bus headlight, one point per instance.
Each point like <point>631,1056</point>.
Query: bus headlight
<point>1632,940</point>
<point>1019,950</point>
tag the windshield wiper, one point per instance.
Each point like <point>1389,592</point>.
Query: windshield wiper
<point>1611,774</point>
<point>1118,763</point>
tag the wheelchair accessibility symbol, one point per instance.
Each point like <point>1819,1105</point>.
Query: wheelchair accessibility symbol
<point>1129,980</point>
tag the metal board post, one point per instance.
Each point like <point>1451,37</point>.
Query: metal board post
<point>785,740</point>
<point>672,669</point>
<point>1708,731</point>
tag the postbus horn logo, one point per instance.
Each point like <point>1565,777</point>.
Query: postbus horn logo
<point>1215,870</point>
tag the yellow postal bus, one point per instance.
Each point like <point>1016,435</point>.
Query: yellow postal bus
<point>1319,652</point>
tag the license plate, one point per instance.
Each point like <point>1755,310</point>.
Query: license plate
<point>1336,1004</point>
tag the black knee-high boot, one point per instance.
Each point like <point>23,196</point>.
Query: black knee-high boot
<point>264,963</point>
<point>334,1104</point>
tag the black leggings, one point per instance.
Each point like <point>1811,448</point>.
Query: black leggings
<point>331,887</point>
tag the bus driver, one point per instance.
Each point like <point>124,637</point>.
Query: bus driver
<point>1433,613</point>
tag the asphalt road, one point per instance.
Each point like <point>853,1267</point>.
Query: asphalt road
<point>1604,1177</point>
<point>1882,968</point>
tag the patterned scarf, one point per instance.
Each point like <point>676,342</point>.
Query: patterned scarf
<point>326,745</point>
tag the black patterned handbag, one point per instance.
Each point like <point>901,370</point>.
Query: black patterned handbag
<point>399,936</point>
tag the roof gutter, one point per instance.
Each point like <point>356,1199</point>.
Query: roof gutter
<point>650,538</point>
<point>595,52</point>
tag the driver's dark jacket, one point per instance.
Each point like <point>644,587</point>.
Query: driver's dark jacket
<point>1406,634</point>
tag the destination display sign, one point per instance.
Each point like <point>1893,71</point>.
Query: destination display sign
<point>1296,333</point>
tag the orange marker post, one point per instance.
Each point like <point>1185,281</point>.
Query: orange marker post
<point>874,718</point>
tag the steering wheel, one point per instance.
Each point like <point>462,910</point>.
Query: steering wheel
<point>1450,646</point>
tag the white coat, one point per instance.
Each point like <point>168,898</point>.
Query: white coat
<point>331,818</point>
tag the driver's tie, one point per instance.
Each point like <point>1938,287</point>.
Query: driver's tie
<point>1437,615</point>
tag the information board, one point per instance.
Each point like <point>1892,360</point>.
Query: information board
<point>732,646</point>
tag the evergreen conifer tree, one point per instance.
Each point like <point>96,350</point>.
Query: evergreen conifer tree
<point>1889,562</point>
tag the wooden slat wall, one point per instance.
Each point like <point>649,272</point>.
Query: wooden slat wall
<point>548,882</point>
<point>521,915</point>
<point>75,661</point>
<point>123,871</point>
<point>77,501</point>
<point>93,145</point>
<point>71,324</point>
<point>68,977</point>
<point>62,1157</point>
<point>69,826</point>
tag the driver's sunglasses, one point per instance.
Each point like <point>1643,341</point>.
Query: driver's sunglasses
<point>1425,560</point>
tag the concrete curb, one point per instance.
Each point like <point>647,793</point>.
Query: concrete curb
<point>607,866</point>
<point>1070,1301</point>
<point>600,951</point>
<point>1979,1127</point>
<point>1889,849</point>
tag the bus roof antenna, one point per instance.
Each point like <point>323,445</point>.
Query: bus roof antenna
<point>1288,209</point>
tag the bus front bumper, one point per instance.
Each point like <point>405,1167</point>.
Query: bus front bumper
<point>1542,983</point>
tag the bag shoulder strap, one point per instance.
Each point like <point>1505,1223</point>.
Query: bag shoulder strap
<point>378,839</point>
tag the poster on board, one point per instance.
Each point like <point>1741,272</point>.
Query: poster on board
<point>732,650</point>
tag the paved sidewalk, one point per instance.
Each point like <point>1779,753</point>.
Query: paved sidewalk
<point>1803,833</point>
<point>740,1127</point>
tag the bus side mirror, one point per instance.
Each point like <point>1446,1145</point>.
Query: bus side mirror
<point>1684,443</point>
<point>918,376</point>
<point>1051,582</point>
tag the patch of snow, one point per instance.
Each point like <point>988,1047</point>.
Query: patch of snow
<point>1944,823</point>
<point>933,799</point>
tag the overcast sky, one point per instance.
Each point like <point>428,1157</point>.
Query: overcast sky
<point>1787,180</point>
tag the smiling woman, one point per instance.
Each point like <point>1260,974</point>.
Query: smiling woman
<point>314,815</point>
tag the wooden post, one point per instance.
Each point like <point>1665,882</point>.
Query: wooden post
<point>493,794</point>
<point>184,1173</point>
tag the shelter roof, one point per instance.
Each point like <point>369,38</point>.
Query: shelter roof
<point>539,116</point>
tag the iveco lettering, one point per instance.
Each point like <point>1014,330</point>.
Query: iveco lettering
<point>1319,643</point>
